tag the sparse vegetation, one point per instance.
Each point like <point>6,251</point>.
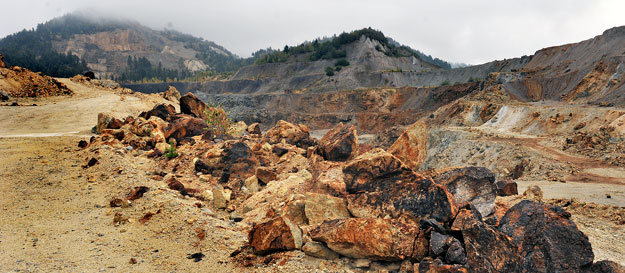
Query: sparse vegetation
<point>329,71</point>
<point>445,83</point>
<point>171,151</point>
<point>217,120</point>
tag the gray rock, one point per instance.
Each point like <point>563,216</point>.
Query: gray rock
<point>319,250</point>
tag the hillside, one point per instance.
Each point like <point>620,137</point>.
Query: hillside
<point>113,48</point>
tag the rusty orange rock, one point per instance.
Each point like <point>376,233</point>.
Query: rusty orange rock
<point>278,234</point>
<point>340,143</point>
<point>412,145</point>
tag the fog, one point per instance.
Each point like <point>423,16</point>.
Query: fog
<point>457,31</point>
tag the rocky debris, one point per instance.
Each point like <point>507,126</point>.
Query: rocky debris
<point>506,188</point>
<point>164,111</point>
<point>429,265</point>
<point>137,193</point>
<point>319,250</point>
<point>549,240</point>
<point>367,171</point>
<point>185,128</point>
<point>321,207</point>
<point>266,174</point>
<point>25,83</point>
<point>604,144</point>
<point>172,94</point>
<point>251,184</point>
<point>470,184</point>
<point>374,239</point>
<point>298,135</point>
<point>238,129</point>
<point>275,235</point>
<point>412,145</point>
<point>487,249</point>
<point>104,119</point>
<point>533,193</point>
<point>254,129</point>
<point>340,143</point>
<point>192,105</point>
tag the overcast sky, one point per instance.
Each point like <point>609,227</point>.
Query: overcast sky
<point>457,31</point>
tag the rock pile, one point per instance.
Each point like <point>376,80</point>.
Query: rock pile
<point>295,193</point>
<point>604,144</point>
<point>22,82</point>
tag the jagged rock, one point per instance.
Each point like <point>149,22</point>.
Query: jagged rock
<point>161,147</point>
<point>436,266</point>
<point>319,250</point>
<point>254,129</point>
<point>115,124</point>
<point>340,143</point>
<point>321,207</point>
<point>412,145</point>
<point>455,253</point>
<point>172,94</point>
<point>238,129</point>
<point>375,239</point>
<point>185,127</point>
<point>549,240</point>
<point>192,105</point>
<point>361,263</point>
<point>533,192</point>
<point>368,171</point>
<point>163,111</point>
<point>103,122</point>
<point>470,184</point>
<point>219,197</point>
<point>279,149</point>
<point>251,183</point>
<point>604,267</point>
<point>266,174</point>
<point>506,188</point>
<point>439,243</point>
<point>294,209</point>
<point>275,235</point>
<point>298,135</point>
<point>487,249</point>
<point>383,186</point>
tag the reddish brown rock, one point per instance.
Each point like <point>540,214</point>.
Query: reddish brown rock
<point>487,249</point>
<point>137,193</point>
<point>436,266</point>
<point>412,145</point>
<point>549,240</point>
<point>115,124</point>
<point>506,188</point>
<point>172,94</point>
<point>266,174</point>
<point>340,143</point>
<point>163,111</point>
<point>470,184</point>
<point>185,127</point>
<point>374,239</point>
<point>321,207</point>
<point>103,122</point>
<point>298,135</point>
<point>278,234</point>
<point>254,129</point>
<point>192,105</point>
<point>368,171</point>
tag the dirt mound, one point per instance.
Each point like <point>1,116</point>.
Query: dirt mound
<point>21,82</point>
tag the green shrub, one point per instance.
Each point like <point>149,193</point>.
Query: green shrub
<point>171,151</point>
<point>217,120</point>
<point>341,62</point>
<point>329,71</point>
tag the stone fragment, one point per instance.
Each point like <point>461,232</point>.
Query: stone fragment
<point>298,135</point>
<point>368,172</point>
<point>412,145</point>
<point>192,105</point>
<point>278,234</point>
<point>254,129</point>
<point>534,193</point>
<point>322,207</point>
<point>340,143</point>
<point>251,183</point>
<point>219,197</point>
<point>103,122</point>
<point>374,239</point>
<point>172,94</point>
<point>549,240</point>
<point>185,127</point>
<point>319,250</point>
<point>506,188</point>
<point>163,111</point>
<point>436,266</point>
<point>475,185</point>
<point>266,174</point>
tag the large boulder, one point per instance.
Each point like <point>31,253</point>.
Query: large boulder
<point>412,145</point>
<point>298,135</point>
<point>487,249</point>
<point>278,234</point>
<point>374,239</point>
<point>185,127</point>
<point>321,207</point>
<point>192,105</point>
<point>104,119</point>
<point>549,240</point>
<point>475,185</point>
<point>340,143</point>
<point>382,186</point>
<point>163,111</point>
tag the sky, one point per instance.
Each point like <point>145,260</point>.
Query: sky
<point>459,31</point>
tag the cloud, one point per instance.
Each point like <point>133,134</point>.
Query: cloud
<point>457,31</point>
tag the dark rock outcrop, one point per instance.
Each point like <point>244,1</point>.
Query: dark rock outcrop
<point>192,105</point>
<point>470,184</point>
<point>506,188</point>
<point>549,240</point>
<point>164,111</point>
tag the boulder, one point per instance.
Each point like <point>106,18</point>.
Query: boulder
<point>192,105</point>
<point>374,239</point>
<point>487,249</point>
<point>220,201</point>
<point>475,185</point>
<point>103,122</point>
<point>266,174</point>
<point>185,127</point>
<point>321,207</point>
<point>298,135</point>
<point>340,143</point>
<point>278,234</point>
<point>549,240</point>
<point>368,171</point>
<point>251,183</point>
<point>238,129</point>
<point>172,94</point>
<point>254,129</point>
<point>163,111</point>
<point>412,145</point>
<point>506,188</point>
<point>294,210</point>
<point>319,250</point>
